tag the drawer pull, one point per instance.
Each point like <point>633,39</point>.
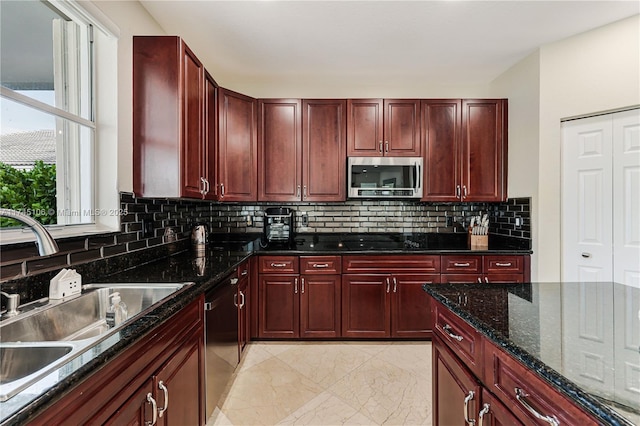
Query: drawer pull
<point>447,329</point>
<point>468,398</point>
<point>388,285</point>
<point>461,265</point>
<point>482,413</point>
<point>278,265</point>
<point>320,265</point>
<point>521,395</point>
<point>295,286</point>
<point>503,265</point>
<point>302,285</point>
<point>244,272</point>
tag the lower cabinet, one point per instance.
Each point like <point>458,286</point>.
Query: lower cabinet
<point>294,305</point>
<point>243,301</point>
<point>159,378</point>
<point>475,382</point>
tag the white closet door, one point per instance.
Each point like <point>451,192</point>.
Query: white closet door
<point>587,200</point>
<point>626,196</point>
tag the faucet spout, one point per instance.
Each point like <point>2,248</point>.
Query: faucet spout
<point>46,244</point>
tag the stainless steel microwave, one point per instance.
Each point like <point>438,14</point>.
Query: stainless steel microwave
<point>385,177</point>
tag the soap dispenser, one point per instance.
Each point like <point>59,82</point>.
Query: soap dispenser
<point>117,312</point>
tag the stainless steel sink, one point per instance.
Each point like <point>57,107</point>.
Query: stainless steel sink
<point>39,340</point>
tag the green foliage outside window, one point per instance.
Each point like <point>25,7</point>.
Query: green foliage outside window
<point>29,191</point>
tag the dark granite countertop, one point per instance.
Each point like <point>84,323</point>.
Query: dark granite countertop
<point>554,328</point>
<point>224,253</point>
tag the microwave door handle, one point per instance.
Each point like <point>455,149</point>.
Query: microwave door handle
<point>419,176</point>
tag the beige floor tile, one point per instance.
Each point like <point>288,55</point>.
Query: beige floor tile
<point>324,363</point>
<point>218,418</point>
<point>411,356</point>
<point>326,409</point>
<point>386,393</point>
<point>254,355</point>
<point>267,393</point>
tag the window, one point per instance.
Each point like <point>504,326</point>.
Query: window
<point>50,53</point>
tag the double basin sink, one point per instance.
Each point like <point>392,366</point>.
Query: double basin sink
<point>49,334</point>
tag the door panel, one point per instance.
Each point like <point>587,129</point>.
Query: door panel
<point>402,128</point>
<point>192,119</point>
<point>410,305</point>
<point>364,127</point>
<point>320,306</point>
<point>365,305</point>
<point>280,306</point>
<point>587,200</point>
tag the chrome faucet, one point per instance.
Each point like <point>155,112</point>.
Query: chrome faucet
<point>45,242</point>
<point>13,301</point>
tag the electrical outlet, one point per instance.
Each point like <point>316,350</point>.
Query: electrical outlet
<point>249,220</point>
<point>449,221</point>
<point>305,219</point>
<point>147,228</point>
<point>518,222</point>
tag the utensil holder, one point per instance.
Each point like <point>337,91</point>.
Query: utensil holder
<point>478,242</point>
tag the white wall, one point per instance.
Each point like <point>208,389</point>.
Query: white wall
<point>588,73</point>
<point>132,19</point>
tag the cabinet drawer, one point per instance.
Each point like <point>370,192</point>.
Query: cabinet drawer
<point>506,376</point>
<point>461,337</point>
<point>278,264</point>
<point>320,264</point>
<point>389,264</point>
<point>503,264</point>
<point>462,264</point>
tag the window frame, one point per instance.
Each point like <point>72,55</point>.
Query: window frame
<point>104,83</point>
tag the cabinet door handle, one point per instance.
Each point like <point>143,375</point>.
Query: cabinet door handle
<point>395,285</point>
<point>208,185</point>
<point>521,395</point>
<point>302,285</point>
<point>295,286</point>
<point>166,398</point>
<point>278,265</point>
<point>298,192</point>
<point>503,265</point>
<point>461,265</point>
<point>320,265</point>
<point>222,189</point>
<point>380,147</point>
<point>586,255</point>
<point>202,186</point>
<point>154,409</point>
<point>486,280</point>
<point>235,300</point>
<point>481,414</point>
<point>386,146</point>
<point>480,280</point>
<point>244,272</point>
<point>388,285</point>
<point>468,398</point>
<point>242,300</point>
<point>304,192</point>
<point>458,194</point>
<point>447,329</point>
<point>464,191</point>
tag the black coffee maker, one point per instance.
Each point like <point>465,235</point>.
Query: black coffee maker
<point>279,227</point>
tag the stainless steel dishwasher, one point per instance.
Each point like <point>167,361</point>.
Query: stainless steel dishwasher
<point>221,338</point>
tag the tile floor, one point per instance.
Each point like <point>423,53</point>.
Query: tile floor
<point>327,383</point>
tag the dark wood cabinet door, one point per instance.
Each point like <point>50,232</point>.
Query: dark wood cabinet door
<point>192,121</point>
<point>402,128</point>
<point>324,151</point>
<point>178,385</point>
<point>484,150</point>
<point>365,119</point>
<point>137,411</point>
<point>210,137</point>
<point>244,330</point>
<point>441,122</point>
<point>237,147</point>
<point>452,385</point>
<point>279,150</point>
<point>279,306</point>
<point>320,306</point>
<point>366,305</point>
<point>410,305</point>
<point>495,413</point>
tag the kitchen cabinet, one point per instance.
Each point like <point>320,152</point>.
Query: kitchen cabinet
<point>297,305</point>
<point>122,390</point>
<point>465,149</point>
<point>280,150</point>
<point>302,150</point>
<point>382,295</point>
<point>237,147</point>
<point>476,381</point>
<point>389,127</point>
<point>170,139</point>
<point>488,269</point>
<point>243,302</point>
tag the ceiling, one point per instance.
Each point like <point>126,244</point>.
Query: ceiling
<point>452,42</point>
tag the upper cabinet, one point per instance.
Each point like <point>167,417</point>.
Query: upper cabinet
<point>389,127</point>
<point>302,150</point>
<point>237,147</point>
<point>465,149</point>
<point>170,138</point>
